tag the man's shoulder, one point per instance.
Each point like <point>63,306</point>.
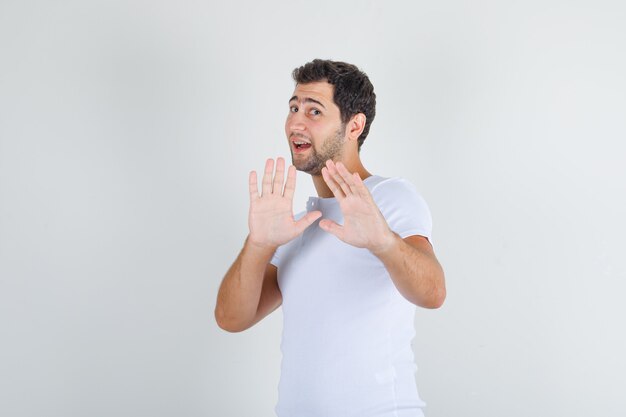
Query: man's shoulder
<point>396,192</point>
<point>379,185</point>
<point>403,207</point>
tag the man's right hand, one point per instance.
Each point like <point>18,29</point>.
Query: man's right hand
<point>270,219</point>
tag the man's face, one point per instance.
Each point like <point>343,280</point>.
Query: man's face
<point>313,127</point>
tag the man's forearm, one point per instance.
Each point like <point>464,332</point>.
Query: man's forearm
<point>415,272</point>
<point>240,291</point>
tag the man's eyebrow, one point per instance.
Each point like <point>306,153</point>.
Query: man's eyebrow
<point>307,100</point>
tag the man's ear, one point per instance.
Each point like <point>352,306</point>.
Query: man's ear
<point>355,127</point>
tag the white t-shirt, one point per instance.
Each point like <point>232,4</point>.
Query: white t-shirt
<point>347,330</point>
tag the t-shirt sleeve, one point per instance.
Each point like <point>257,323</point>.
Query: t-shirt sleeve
<point>404,208</point>
<point>276,258</point>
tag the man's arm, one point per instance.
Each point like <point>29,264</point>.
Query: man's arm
<point>411,262</point>
<point>249,291</point>
<point>415,270</point>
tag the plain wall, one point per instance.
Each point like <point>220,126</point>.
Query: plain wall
<point>127,131</point>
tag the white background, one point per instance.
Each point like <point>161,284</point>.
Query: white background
<point>127,131</point>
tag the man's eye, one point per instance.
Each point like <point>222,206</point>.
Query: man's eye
<point>315,112</point>
<point>293,109</point>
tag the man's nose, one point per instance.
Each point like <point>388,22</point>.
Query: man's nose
<point>295,122</point>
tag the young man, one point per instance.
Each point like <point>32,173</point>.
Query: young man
<point>348,272</point>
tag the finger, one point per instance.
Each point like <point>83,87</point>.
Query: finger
<point>266,186</point>
<point>290,185</point>
<point>253,186</point>
<point>332,169</point>
<point>361,188</point>
<point>332,228</point>
<point>279,176</point>
<point>334,187</point>
<point>347,177</point>
<point>307,220</point>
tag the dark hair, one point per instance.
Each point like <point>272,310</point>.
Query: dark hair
<point>354,93</point>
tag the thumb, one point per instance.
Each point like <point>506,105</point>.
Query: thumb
<point>332,228</point>
<point>307,220</point>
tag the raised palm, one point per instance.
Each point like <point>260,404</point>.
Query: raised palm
<point>363,224</point>
<point>271,219</point>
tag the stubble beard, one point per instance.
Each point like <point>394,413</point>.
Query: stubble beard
<point>331,148</point>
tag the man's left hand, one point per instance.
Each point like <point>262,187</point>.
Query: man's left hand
<point>363,224</point>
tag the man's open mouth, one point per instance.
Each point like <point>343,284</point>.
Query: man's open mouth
<point>301,144</point>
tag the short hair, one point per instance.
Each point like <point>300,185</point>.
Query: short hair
<point>354,93</point>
